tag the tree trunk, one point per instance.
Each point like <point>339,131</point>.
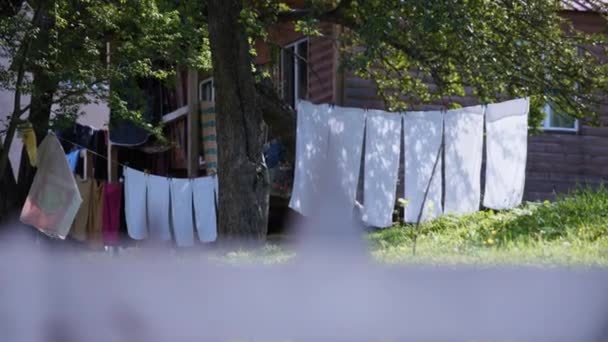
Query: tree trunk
<point>8,188</point>
<point>40,113</point>
<point>243,177</point>
<point>43,90</point>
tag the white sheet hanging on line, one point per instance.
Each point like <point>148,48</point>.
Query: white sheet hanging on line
<point>311,152</point>
<point>422,134</point>
<point>181,212</point>
<point>135,203</point>
<point>205,195</point>
<point>506,151</point>
<point>54,199</point>
<point>346,127</point>
<point>382,148</point>
<point>158,196</point>
<point>463,154</point>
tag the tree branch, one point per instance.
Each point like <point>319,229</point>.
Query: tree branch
<point>14,120</point>
<point>335,15</point>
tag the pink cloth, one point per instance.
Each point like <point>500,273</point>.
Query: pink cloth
<point>112,202</point>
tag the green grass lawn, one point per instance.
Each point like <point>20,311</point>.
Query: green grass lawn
<point>570,231</point>
<point>573,230</point>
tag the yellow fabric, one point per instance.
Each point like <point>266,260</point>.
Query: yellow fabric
<point>81,222</point>
<point>94,233</point>
<point>29,140</point>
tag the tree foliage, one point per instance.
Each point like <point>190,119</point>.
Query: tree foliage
<point>416,51</point>
<point>421,51</point>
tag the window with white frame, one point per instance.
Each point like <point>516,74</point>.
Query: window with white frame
<point>294,71</point>
<point>557,121</point>
<point>206,90</point>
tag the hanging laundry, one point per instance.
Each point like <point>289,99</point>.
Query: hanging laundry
<point>208,137</point>
<point>72,158</point>
<point>77,136</point>
<point>422,133</point>
<point>463,154</point>
<point>312,133</point>
<point>158,197</point>
<point>345,145</point>
<point>382,148</point>
<point>95,235</point>
<point>29,140</point>
<point>53,199</point>
<point>135,203</point>
<point>181,212</point>
<point>204,191</point>
<point>81,221</point>
<point>506,151</point>
<point>100,147</point>
<point>112,202</point>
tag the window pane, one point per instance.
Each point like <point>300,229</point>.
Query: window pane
<point>207,91</point>
<point>303,70</point>
<point>288,78</point>
<point>561,121</point>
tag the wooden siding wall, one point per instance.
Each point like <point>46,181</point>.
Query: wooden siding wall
<point>322,59</point>
<point>323,66</point>
<point>558,162</point>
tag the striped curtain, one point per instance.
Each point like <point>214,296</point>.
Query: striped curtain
<point>208,135</point>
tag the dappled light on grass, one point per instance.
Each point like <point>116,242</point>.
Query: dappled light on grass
<point>571,231</point>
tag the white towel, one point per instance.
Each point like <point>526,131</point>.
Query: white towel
<point>158,208</point>
<point>506,151</point>
<point>204,190</point>
<point>135,204</point>
<point>463,153</point>
<point>346,127</point>
<point>181,212</point>
<point>422,134</point>
<point>311,153</point>
<point>382,147</point>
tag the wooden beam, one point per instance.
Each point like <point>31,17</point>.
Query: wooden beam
<point>176,114</point>
<point>88,164</point>
<point>194,129</point>
<point>112,162</point>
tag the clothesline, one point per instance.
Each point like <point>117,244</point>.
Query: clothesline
<point>89,150</point>
<point>106,158</point>
<point>90,209</point>
<point>443,152</point>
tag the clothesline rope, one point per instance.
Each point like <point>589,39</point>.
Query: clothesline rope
<point>111,160</point>
<point>91,151</point>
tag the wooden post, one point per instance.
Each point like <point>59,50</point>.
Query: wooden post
<point>179,89</point>
<point>88,164</point>
<point>112,162</point>
<point>194,129</point>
